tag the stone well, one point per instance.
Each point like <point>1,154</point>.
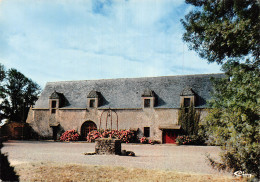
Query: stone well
<point>108,146</point>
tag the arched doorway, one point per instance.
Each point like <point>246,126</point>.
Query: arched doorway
<point>87,127</point>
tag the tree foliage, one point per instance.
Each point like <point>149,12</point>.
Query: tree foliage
<point>227,32</point>
<point>2,76</point>
<point>224,29</point>
<point>2,72</point>
<point>18,94</point>
<point>189,119</point>
<point>234,122</point>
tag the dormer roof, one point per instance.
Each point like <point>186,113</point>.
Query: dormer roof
<point>187,92</point>
<point>55,95</point>
<point>148,93</point>
<point>93,94</point>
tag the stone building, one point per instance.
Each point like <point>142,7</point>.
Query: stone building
<point>148,105</point>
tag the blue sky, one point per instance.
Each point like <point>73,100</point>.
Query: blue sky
<point>55,40</point>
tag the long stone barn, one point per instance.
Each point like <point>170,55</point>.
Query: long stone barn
<point>148,105</point>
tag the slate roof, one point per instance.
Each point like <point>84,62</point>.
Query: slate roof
<point>127,92</point>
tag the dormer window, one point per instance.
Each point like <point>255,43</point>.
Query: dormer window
<point>55,101</point>
<point>53,106</point>
<point>93,99</point>
<point>92,103</point>
<point>187,97</point>
<point>148,98</point>
<point>147,102</point>
<point>187,102</point>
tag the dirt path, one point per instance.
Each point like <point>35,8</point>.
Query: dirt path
<point>189,159</point>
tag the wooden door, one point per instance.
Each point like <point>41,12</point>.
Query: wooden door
<point>169,136</point>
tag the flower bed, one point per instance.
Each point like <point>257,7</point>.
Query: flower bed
<point>93,135</point>
<point>183,140</point>
<point>70,135</point>
<point>144,140</point>
<point>152,142</point>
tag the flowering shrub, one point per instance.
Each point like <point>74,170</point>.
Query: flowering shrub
<point>183,140</point>
<point>190,140</point>
<point>153,142</point>
<point>144,140</point>
<point>70,135</point>
<point>93,135</point>
<point>126,136</point>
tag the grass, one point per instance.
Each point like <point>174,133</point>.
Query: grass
<point>75,172</point>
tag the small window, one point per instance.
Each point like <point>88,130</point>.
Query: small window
<point>92,103</point>
<point>53,104</point>
<point>146,131</point>
<point>53,111</point>
<point>146,102</point>
<point>186,102</point>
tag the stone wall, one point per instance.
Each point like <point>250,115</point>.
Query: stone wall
<point>127,119</point>
<point>108,146</point>
<point>39,121</point>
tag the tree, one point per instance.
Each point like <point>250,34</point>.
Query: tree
<point>2,76</point>
<point>2,72</point>
<point>233,123</point>
<point>224,29</point>
<point>227,32</point>
<point>19,93</point>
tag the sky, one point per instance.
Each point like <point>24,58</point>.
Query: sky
<point>60,40</point>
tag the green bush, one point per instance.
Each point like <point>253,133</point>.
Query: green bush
<point>7,172</point>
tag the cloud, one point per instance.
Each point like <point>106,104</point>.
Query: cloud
<point>70,40</point>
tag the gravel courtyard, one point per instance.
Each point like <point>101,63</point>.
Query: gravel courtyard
<point>188,159</point>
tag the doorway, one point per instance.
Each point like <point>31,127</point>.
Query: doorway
<point>54,132</point>
<point>87,127</point>
<point>170,135</point>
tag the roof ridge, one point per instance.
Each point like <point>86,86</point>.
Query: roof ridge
<point>137,77</point>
